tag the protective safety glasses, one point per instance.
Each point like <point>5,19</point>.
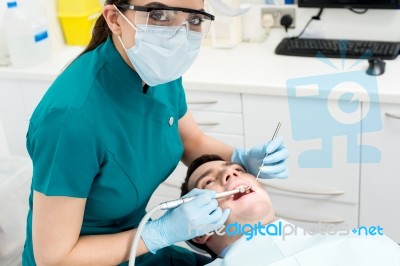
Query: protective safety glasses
<point>196,22</point>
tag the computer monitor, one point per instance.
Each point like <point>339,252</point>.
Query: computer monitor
<point>373,4</point>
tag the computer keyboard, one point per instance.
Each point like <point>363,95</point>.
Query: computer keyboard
<point>331,48</point>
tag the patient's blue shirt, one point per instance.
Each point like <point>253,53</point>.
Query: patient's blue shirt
<point>305,249</point>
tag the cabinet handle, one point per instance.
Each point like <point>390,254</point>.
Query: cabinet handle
<point>391,115</point>
<point>203,102</point>
<point>208,124</point>
<point>310,220</point>
<point>308,192</point>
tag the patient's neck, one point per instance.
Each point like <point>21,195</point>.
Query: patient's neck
<point>217,243</point>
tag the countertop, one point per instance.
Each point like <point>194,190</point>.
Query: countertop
<point>254,68</point>
<point>251,68</point>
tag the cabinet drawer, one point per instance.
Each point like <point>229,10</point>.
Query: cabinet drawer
<point>328,186</point>
<point>310,214</point>
<point>214,101</point>
<point>219,122</point>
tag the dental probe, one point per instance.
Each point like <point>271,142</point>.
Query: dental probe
<point>262,165</point>
<point>175,203</point>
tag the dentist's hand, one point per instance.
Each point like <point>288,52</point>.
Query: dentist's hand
<point>274,161</point>
<point>186,221</point>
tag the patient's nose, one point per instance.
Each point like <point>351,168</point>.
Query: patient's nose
<point>229,174</point>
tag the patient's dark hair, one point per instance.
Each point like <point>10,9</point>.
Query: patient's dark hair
<point>196,164</point>
<point>185,188</point>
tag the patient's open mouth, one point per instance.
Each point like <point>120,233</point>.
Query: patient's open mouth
<point>240,195</point>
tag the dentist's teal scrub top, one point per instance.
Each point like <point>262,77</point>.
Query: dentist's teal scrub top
<point>97,135</point>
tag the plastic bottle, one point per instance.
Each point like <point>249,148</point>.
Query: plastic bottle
<point>26,35</point>
<point>55,33</point>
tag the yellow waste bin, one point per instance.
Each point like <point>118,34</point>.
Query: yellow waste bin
<point>77,19</point>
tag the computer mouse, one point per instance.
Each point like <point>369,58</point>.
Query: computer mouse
<point>376,66</point>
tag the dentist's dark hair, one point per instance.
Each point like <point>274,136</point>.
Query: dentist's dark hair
<point>101,31</point>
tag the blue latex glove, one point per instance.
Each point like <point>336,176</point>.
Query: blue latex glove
<point>274,163</point>
<point>180,223</point>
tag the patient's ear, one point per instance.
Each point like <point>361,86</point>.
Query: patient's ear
<point>201,239</point>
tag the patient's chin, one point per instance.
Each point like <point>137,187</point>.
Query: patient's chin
<point>257,212</point>
<point>252,207</point>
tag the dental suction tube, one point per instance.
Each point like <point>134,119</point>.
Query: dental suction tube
<point>170,205</point>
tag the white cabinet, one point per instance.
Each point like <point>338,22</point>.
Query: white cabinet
<point>15,183</point>
<point>32,92</point>
<point>218,115</point>
<point>380,183</point>
<point>3,141</point>
<point>310,195</point>
<point>18,99</point>
<point>12,113</point>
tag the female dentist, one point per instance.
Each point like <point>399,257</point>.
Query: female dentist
<point>111,128</point>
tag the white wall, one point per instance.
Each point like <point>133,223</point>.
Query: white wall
<point>344,24</point>
<point>3,141</point>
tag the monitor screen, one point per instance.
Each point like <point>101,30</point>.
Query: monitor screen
<point>384,4</point>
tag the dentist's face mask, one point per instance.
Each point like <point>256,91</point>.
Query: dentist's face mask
<point>167,41</point>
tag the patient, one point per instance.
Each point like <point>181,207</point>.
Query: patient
<point>256,247</point>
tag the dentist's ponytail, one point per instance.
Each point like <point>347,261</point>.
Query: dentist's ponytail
<point>101,31</point>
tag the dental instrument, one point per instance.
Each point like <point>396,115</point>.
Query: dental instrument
<point>262,165</point>
<point>169,205</point>
<point>175,203</point>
